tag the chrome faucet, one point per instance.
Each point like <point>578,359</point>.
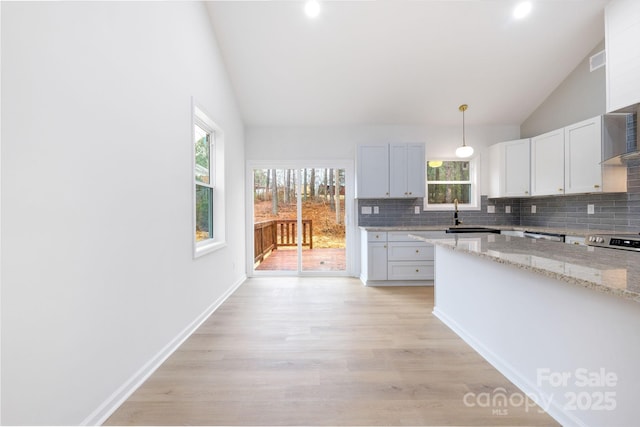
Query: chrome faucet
<point>456,221</point>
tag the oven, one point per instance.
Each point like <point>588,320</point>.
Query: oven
<point>624,241</point>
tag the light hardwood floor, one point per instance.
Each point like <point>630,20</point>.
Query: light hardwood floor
<point>324,351</point>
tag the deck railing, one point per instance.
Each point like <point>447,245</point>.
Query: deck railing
<point>268,235</point>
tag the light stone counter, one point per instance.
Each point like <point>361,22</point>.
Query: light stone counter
<point>565,231</point>
<point>610,271</point>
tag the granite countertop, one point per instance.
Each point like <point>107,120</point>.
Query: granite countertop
<point>611,271</point>
<point>565,231</point>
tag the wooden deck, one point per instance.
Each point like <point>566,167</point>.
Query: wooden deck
<point>317,259</point>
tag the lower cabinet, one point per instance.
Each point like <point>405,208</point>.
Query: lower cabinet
<point>393,258</point>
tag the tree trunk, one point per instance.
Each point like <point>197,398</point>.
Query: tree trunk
<point>266,187</point>
<point>287,186</point>
<point>274,193</point>
<point>304,185</point>
<point>325,183</point>
<point>337,196</point>
<point>332,203</point>
<point>312,184</point>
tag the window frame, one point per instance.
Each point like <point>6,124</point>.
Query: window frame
<point>474,204</point>
<point>216,182</point>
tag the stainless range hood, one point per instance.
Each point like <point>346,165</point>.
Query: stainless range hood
<point>620,137</point>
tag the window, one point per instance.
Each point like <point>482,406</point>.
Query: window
<point>448,180</point>
<point>208,207</point>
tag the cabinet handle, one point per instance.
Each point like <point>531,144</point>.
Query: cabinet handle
<point>417,271</point>
<point>385,246</point>
<point>417,251</point>
<point>526,192</point>
<point>387,193</point>
<point>596,186</point>
<point>559,189</point>
<point>410,193</point>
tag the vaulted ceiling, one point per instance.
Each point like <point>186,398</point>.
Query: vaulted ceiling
<point>400,61</point>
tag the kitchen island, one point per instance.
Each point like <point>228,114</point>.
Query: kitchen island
<point>562,322</point>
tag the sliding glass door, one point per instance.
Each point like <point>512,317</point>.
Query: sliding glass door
<point>299,220</point>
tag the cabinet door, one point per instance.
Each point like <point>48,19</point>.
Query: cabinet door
<point>372,171</point>
<point>377,261</point>
<point>398,170</point>
<point>416,167</point>
<point>517,176</point>
<point>582,157</point>
<point>622,33</point>
<point>496,170</point>
<point>547,163</point>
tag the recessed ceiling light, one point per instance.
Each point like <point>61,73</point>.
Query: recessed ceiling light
<point>522,9</point>
<point>312,8</point>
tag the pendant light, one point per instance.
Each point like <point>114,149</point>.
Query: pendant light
<point>464,150</point>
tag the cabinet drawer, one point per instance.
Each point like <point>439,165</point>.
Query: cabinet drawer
<point>400,236</point>
<point>376,236</point>
<point>407,270</point>
<point>409,251</point>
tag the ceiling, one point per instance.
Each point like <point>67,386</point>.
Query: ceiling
<point>400,62</point>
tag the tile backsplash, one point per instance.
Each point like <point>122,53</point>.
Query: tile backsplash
<point>401,212</point>
<point>611,211</point>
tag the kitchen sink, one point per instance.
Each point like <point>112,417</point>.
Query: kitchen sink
<point>472,230</point>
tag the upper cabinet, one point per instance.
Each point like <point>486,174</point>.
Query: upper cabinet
<point>569,161</point>
<point>582,157</point>
<point>584,171</point>
<point>547,163</point>
<point>407,168</point>
<point>622,33</point>
<point>565,161</point>
<point>390,171</point>
<point>510,162</point>
<point>372,172</point>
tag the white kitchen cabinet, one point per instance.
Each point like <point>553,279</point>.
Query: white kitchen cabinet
<point>390,171</point>
<point>622,33</point>
<point>394,258</point>
<point>582,157</point>
<point>547,163</point>
<point>374,256</point>
<point>510,168</point>
<point>569,161</point>
<point>372,172</point>
<point>407,169</point>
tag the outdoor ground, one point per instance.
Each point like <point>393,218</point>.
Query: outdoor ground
<point>326,232</point>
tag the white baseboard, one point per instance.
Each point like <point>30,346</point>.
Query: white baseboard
<point>522,382</point>
<point>397,282</point>
<point>113,402</point>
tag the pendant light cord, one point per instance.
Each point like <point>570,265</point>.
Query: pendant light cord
<point>463,108</point>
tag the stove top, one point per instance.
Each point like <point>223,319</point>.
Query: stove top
<point>626,241</point>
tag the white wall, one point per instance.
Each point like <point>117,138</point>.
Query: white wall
<point>580,96</point>
<point>301,143</point>
<point>97,270</point>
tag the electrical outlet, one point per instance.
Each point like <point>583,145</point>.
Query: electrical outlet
<point>376,210</point>
<point>491,209</point>
<point>591,209</point>
<point>533,209</point>
<point>416,210</point>
<point>507,209</point>
<point>366,210</point>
